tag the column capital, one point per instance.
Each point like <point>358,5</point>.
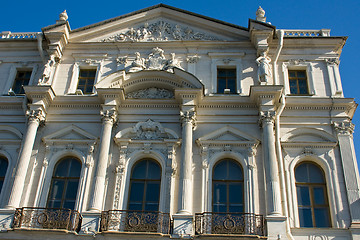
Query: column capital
<point>109,116</point>
<point>35,116</point>
<point>332,61</point>
<point>188,117</point>
<point>344,127</point>
<point>266,117</point>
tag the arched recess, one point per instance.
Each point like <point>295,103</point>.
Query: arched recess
<point>247,175</point>
<point>133,160</point>
<point>44,186</point>
<point>147,78</point>
<point>333,195</point>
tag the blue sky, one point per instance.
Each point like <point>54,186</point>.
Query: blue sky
<point>339,16</point>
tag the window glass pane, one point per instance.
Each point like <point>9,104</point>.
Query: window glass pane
<point>54,204</point>
<point>220,171</point>
<point>231,72</point>
<point>62,169</point>
<point>315,173</point>
<point>153,192</point>
<point>135,206</point>
<point>70,204</point>
<point>219,207</point>
<point>71,189</point>
<point>137,191</point>
<point>235,193</point>
<point>219,193</point>
<point>3,167</point>
<point>301,173</point>
<point>221,73</point>
<point>139,171</point>
<point>153,170</point>
<point>221,85</point>
<point>301,74</point>
<point>235,171</point>
<point>322,217</point>
<point>231,84</point>
<point>75,168</point>
<point>1,184</point>
<point>151,207</point>
<point>236,208</point>
<point>57,189</point>
<point>292,74</point>
<point>303,195</point>
<point>319,196</point>
<point>305,217</point>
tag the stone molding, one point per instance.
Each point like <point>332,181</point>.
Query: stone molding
<point>344,127</point>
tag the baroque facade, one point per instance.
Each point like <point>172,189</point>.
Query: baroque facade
<point>163,123</point>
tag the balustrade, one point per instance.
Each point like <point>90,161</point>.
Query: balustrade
<point>135,221</point>
<point>229,223</point>
<point>47,218</point>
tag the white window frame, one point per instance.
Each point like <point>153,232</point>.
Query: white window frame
<point>226,60</point>
<point>293,65</point>
<point>86,61</point>
<point>20,67</point>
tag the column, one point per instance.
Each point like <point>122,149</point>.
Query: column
<point>108,120</point>
<point>270,163</point>
<point>34,119</point>
<point>185,178</point>
<point>350,168</point>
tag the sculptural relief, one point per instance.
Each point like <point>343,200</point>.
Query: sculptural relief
<point>159,31</point>
<point>264,68</point>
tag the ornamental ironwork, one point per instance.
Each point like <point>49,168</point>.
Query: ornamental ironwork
<point>229,223</point>
<point>135,221</point>
<point>47,218</point>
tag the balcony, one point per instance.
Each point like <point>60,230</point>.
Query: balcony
<point>47,218</point>
<point>135,221</point>
<point>229,223</point>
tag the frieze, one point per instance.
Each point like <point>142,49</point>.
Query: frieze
<point>159,31</point>
<point>151,93</point>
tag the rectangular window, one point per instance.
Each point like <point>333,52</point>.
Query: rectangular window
<point>86,80</point>
<point>226,80</point>
<point>298,82</point>
<point>22,79</point>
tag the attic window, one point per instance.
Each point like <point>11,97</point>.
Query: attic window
<point>86,80</point>
<point>226,80</point>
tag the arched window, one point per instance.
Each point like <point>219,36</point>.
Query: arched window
<point>228,187</point>
<point>3,169</point>
<point>64,184</point>
<point>312,196</point>
<point>145,186</point>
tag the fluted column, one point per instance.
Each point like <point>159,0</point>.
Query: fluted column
<point>344,132</point>
<point>34,119</point>
<point>185,178</point>
<point>108,120</point>
<point>270,163</point>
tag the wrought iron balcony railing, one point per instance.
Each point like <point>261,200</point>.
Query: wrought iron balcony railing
<point>47,218</point>
<point>229,223</point>
<point>135,221</point>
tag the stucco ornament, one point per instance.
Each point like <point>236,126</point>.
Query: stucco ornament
<point>156,60</point>
<point>148,130</point>
<point>159,31</point>
<point>260,15</point>
<point>151,93</point>
<point>264,69</point>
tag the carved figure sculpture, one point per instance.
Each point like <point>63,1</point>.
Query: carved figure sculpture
<point>264,69</point>
<point>47,70</point>
<point>138,64</point>
<point>156,59</point>
<point>173,62</point>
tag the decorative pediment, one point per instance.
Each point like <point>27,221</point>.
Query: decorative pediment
<point>9,135</point>
<point>303,137</point>
<point>70,134</point>
<point>227,136</point>
<point>148,130</point>
<point>159,23</point>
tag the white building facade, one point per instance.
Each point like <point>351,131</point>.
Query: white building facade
<point>163,123</point>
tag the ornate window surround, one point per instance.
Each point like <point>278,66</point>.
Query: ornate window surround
<point>82,61</point>
<point>226,60</point>
<point>298,65</point>
<point>332,194</point>
<point>9,150</point>
<point>14,69</point>
<point>130,163</point>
